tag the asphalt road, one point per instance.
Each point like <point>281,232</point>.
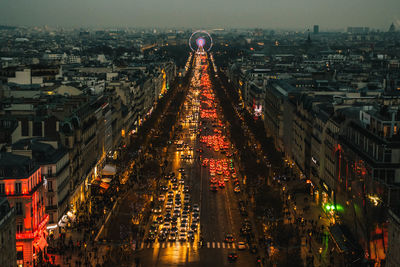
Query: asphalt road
<point>219,211</point>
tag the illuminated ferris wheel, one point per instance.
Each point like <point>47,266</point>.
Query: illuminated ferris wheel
<point>200,41</point>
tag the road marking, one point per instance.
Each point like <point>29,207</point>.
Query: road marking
<point>223,245</point>
<point>218,244</point>
<point>208,244</point>
<point>213,244</point>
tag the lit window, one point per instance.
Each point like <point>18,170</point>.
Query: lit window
<point>20,228</point>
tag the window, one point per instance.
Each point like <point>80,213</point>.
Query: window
<point>24,127</point>
<point>390,175</point>
<point>18,188</point>
<point>18,207</point>
<point>2,189</point>
<point>50,186</point>
<point>50,201</point>
<point>20,228</point>
<point>49,171</point>
<point>20,253</point>
<point>388,155</point>
<point>37,128</point>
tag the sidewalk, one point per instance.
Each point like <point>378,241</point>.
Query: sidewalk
<point>314,227</point>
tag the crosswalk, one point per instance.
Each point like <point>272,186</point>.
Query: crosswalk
<point>194,245</point>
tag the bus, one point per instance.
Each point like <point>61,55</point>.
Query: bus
<point>179,145</point>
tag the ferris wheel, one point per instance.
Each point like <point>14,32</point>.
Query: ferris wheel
<point>200,41</point>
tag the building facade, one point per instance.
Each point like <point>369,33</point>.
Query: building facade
<point>8,255</point>
<point>23,186</point>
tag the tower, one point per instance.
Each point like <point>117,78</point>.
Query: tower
<point>316,29</point>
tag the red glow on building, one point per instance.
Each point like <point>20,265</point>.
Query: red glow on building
<point>37,232</point>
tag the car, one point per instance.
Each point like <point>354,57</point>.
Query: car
<point>164,188</point>
<point>169,205</point>
<point>174,180</point>
<point>184,223</point>
<point>172,237</point>
<point>182,181</point>
<point>214,188</point>
<point>177,213</point>
<point>196,207</point>
<point>232,256</point>
<point>182,237</point>
<point>151,238</point>
<point>185,217</point>
<point>161,198</point>
<point>167,217</point>
<point>181,170</point>
<point>162,237</point>
<point>156,209</point>
<point>175,187</point>
<point>178,204</point>
<point>174,229</point>
<point>190,235</point>
<point>241,245</point>
<point>213,180</point>
<point>183,156</point>
<point>236,189</point>
<point>170,193</point>
<point>194,227</point>
<point>221,184</point>
<point>186,188</point>
<point>164,230</point>
<point>229,238</point>
<point>167,225</point>
<point>160,219</point>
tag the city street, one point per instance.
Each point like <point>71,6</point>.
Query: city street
<point>216,228</point>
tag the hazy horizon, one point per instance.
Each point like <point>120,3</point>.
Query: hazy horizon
<point>278,14</point>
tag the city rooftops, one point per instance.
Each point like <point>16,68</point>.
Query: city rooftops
<point>15,166</point>
<point>43,153</point>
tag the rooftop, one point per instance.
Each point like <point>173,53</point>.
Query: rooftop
<point>15,166</point>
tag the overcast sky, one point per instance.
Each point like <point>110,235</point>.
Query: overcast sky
<point>299,14</point>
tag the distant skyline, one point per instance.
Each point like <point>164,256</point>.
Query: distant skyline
<point>279,14</point>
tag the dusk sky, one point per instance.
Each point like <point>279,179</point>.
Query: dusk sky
<point>298,14</point>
